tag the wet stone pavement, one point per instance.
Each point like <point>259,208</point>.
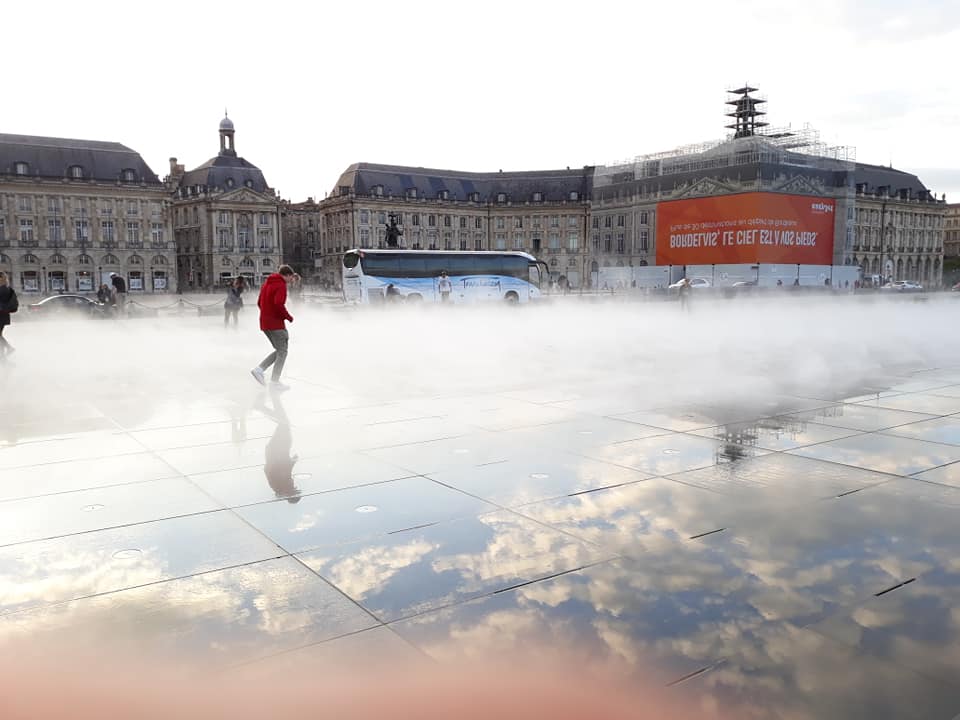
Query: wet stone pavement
<point>794,558</point>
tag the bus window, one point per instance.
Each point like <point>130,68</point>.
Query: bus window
<point>350,260</point>
<point>381,265</point>
<point>513,266</point>
<point>459,265</point>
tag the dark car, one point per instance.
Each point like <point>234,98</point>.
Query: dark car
<point>67,306</point>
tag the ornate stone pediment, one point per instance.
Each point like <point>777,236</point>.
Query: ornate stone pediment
<point>704,187</point>
<point>246,195</point>
<point>799,185</point>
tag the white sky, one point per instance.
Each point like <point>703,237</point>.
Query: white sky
<point>313,87</point>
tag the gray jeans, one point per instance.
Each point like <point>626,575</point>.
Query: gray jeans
<point>279,339</point>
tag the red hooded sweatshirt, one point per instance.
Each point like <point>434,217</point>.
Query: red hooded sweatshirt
<point>273,295</point>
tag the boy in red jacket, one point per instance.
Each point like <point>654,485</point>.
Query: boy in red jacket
<point>273,313</point>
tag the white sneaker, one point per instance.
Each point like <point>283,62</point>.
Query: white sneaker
<point>278,386</point>
<point>258,375</point>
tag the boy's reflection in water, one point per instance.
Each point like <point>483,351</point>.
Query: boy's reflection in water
<point>279,463</point>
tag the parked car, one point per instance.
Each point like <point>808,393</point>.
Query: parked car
<point>745,284</point>
<point>695,283</point>
<point>903,286</point>
<point>956,288</point>
<point>67,306</point>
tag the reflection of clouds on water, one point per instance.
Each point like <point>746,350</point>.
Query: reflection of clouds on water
<point>372,567</point>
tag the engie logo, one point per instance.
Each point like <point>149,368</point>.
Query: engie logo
<point>821,207</point>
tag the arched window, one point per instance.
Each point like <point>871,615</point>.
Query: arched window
<point>229,182</point>
<point>266,262</point>
<point>226,262</point>
<point>75,171</point>
<point>135,260</point>
<point>111,260</point>
<point>30,259</point>
<point>248,183</point>
<point>57,259</point>
<point>247,263</point>
<point>4,259</point>
<point>21,168</point>
<point>84,260</point>
<point>158,260</point>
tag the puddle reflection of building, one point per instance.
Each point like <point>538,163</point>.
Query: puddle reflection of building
<point>279,462</point>
<point>736,437</point>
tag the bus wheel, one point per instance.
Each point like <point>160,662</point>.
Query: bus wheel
<point>512,298</point>
<point>414,298</point>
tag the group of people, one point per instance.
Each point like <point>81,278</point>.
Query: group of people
<point>114,294</point>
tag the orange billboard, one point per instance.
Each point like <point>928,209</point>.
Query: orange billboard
<point>746,228</point>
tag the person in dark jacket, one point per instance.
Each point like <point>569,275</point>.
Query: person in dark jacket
<point>234,301</point>
<point>103,294</point>
<point>119,292</point>
<point>8,305</point>
<point>273,315</point>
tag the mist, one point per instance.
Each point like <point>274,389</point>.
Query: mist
<point>567,355</point>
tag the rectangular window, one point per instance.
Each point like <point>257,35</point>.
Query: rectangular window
<point>133,207</point>
<point>463,241</point>
<point>53,205</point>
<point>501,223</point>
<point>26,231</point>
<point>155,209</point>
<point>555,221</point>
<point>3,229</point>
<point>414,219</point>
<point>264,218</point>
<point>621,220</point>
<point>365,218</point>
<point>106,208</point>
<point>518,222</point>
<point>621,243</point>
<point>518,241</point>
<point>463,224</point>
<point>478,223</point>
<point>554,241</point>
<point>596,223</point>
<point>501,241</point>
<point>133,234</point>
<point>432,220</point>
<point>24,203</point>
<point>644,218</point>
<point>106,232</point>
<point>223,218</point>
<point>644,240</point>
<point>607,242</point>
<point>573,242</point>
<point>608,221</point>
<point>446,221</point>
<point>82,231</point>
<point>266,240</point>
<point>478,242</point>
<point>55,232</point>
<point>536,221</point>
<point>572,221</point>
<point>156,233</point>
<point>224,239</point>
<point>596,242</point>
<point>364,237</point>
<point>243,237</point>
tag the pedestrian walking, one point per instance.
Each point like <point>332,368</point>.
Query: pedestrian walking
<point>119,292</point>
<point>444,286</point>
<point>8,305</point>
<point>273,316</point>
<point>234,301</point>
<point>686,289</point>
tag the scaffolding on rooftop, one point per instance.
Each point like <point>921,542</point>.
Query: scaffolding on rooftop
<point>751,141</point>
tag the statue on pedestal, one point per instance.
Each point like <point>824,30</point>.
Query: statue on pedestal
<point>393,232</point>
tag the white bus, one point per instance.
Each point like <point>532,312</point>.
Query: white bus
<point>513,277</point>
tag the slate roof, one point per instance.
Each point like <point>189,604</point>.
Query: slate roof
<point>556,185</point>
<point>51,157</point>
<point>215,172</point>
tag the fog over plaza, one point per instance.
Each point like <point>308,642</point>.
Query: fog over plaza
<point>724,351</point>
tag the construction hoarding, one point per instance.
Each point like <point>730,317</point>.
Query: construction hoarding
<point>746,228</point>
